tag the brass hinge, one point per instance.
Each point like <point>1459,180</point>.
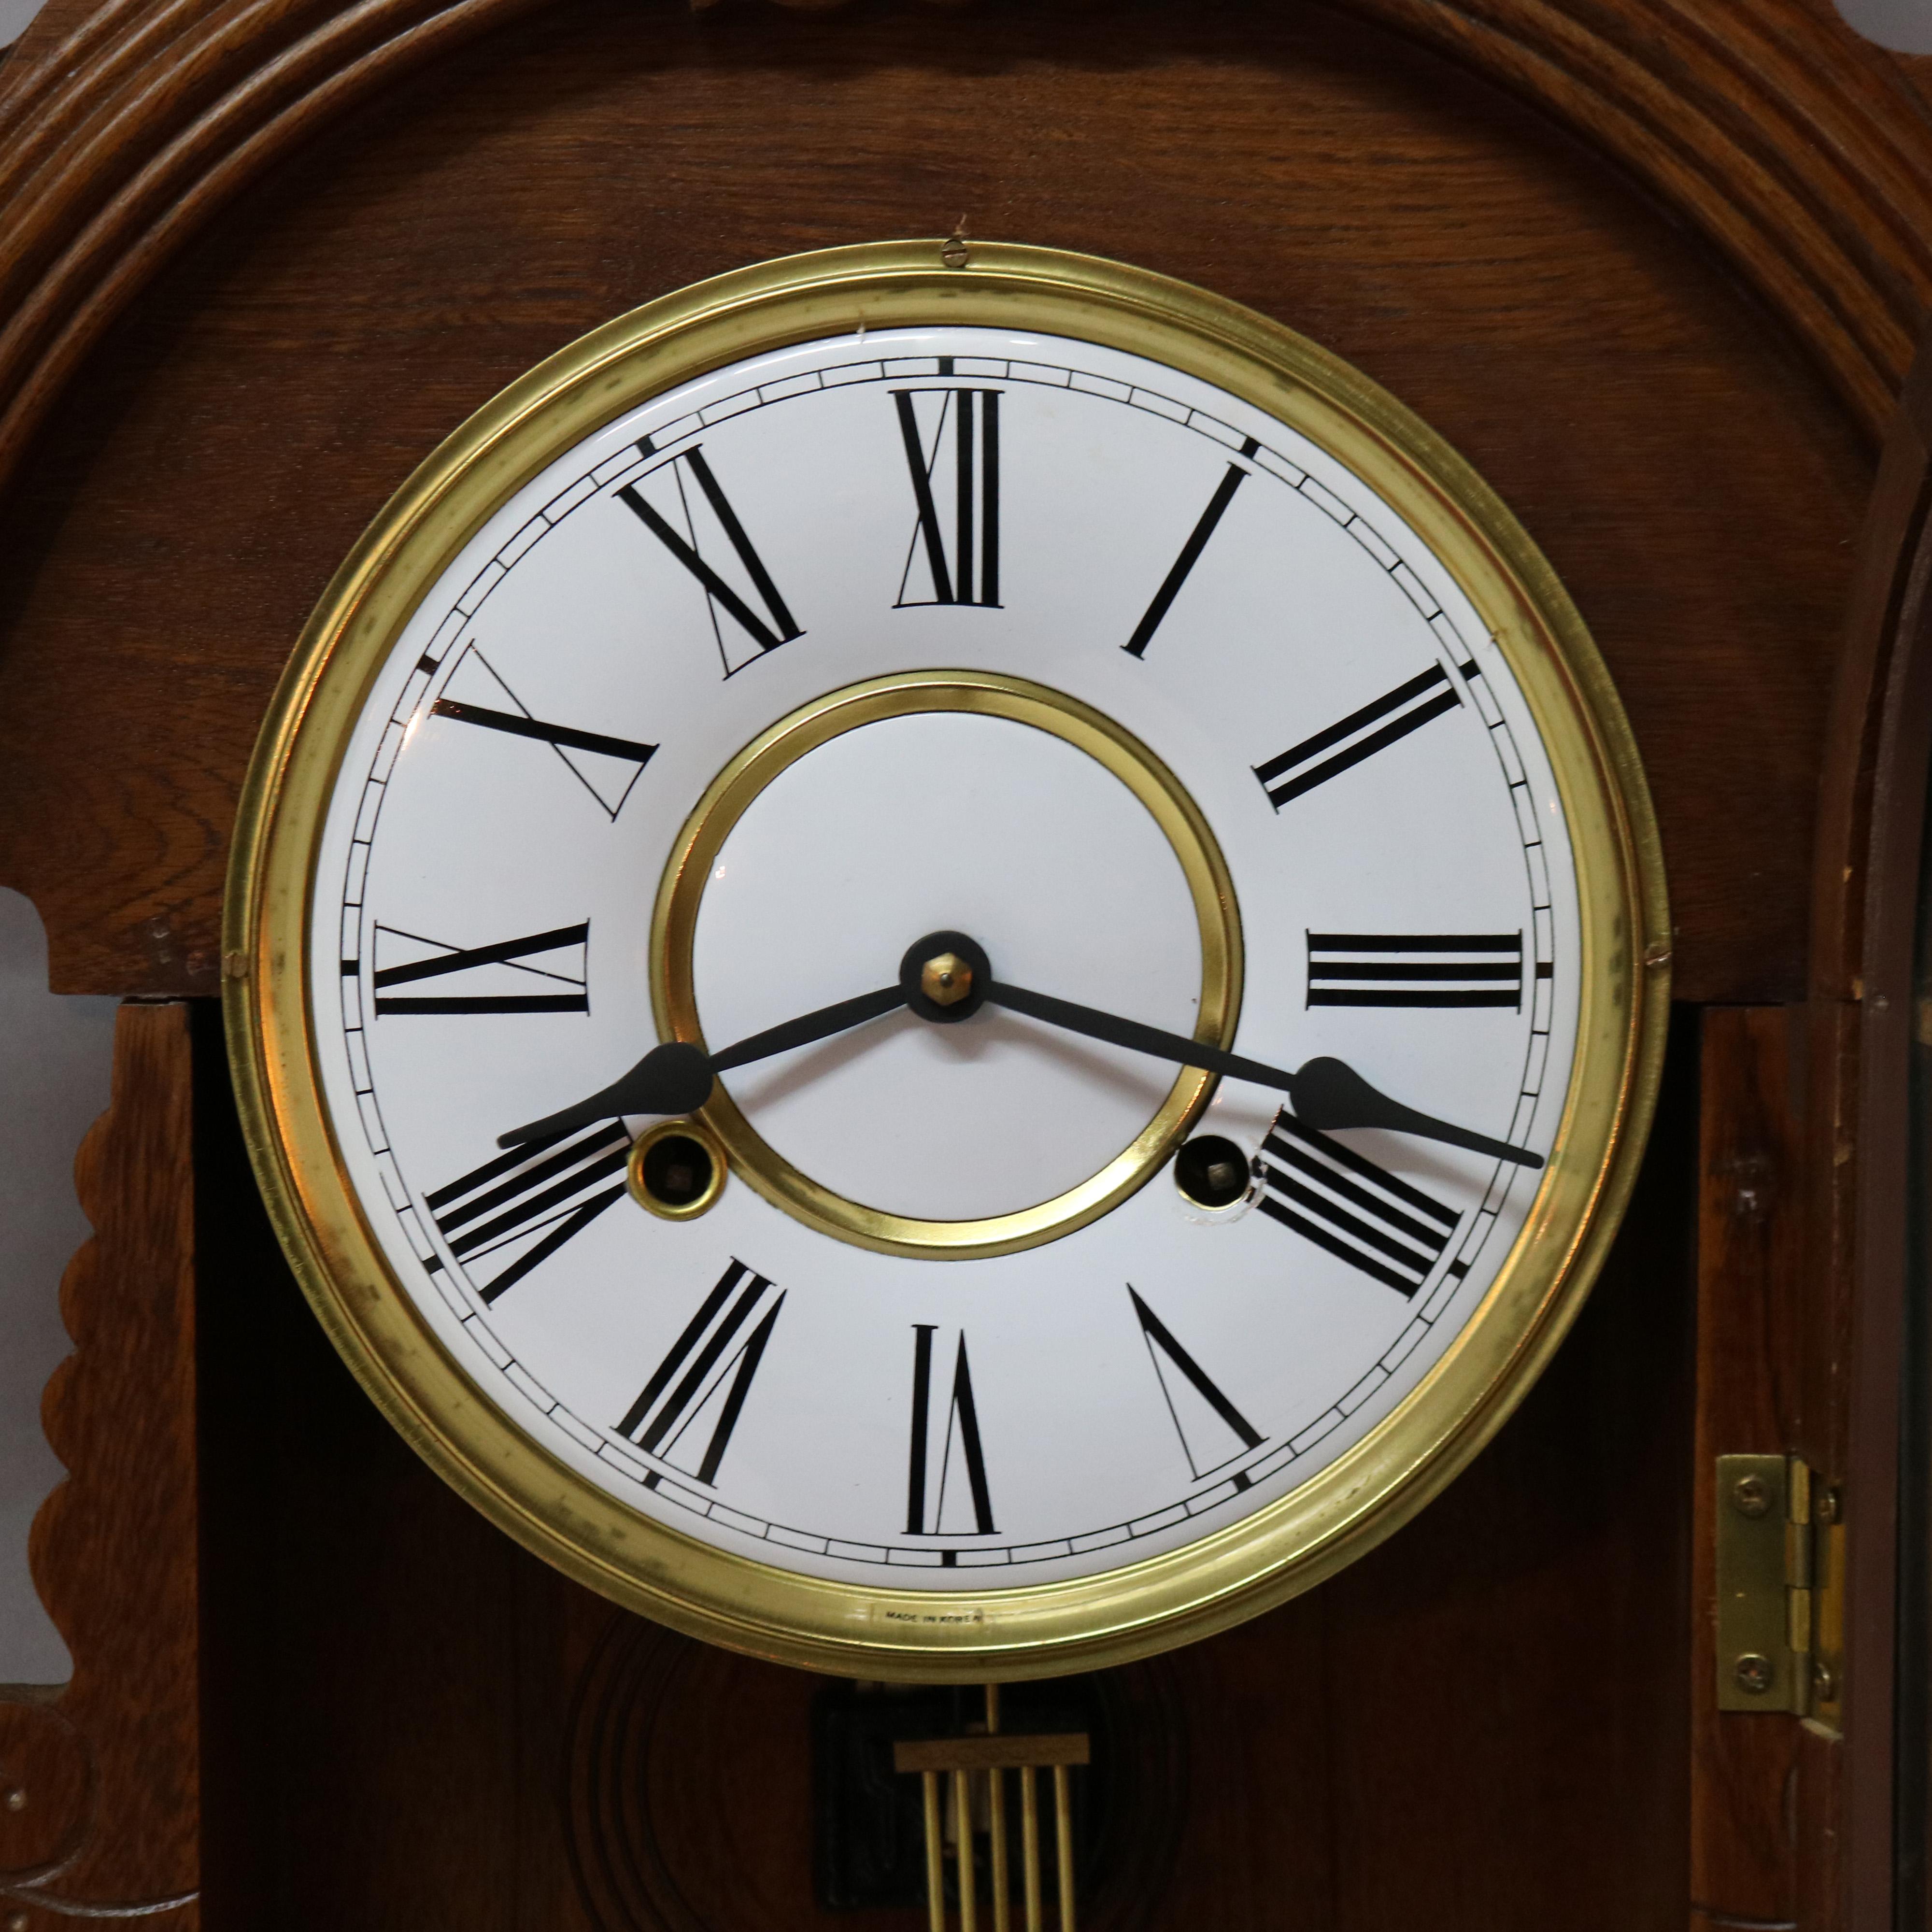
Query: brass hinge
<point>1781,1572</point>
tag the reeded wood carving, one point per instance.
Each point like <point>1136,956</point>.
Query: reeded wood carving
<point>1801,151</point>
<point>99,1786</point>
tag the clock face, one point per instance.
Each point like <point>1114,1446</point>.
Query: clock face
<point>1005,667</point>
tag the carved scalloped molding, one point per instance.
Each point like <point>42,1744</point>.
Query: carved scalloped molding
<point>108,1769</point>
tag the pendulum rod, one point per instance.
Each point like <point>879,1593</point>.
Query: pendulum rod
<point>935,1854</point>
<point>959,1760</point>
<point>1003,1903</point>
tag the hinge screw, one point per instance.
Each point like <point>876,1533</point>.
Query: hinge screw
<point>1825,1681</point>
<point>1753,1673</point>
<point>1825,1506</point>
<point>1750,1496</point>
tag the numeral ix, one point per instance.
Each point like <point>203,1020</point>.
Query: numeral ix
<point>1360,735</point>
<point>564,949</point>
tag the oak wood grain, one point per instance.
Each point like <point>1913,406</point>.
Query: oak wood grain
<point>1751,1332</point>
<point>1695,484</point>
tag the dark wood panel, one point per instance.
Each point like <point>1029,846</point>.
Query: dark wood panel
<point>108,1771</point>
<point>1481,1727</point>
<point>1689,475</point>
<point>1751,1332</point>
<point>1861,1168</point>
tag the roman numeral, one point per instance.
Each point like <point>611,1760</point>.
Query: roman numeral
<point>516,954</point>
<point>1415,969</point>
<point>958,498</point>
<point>1212,1430</point>
<point>930,1474</point>
<point>528,1203</point>
<point>701,1384</point>
<point>606,767</point>
<point>1360,735</point>
<point>1190,553</point>
<point>768,628</point>
<point>1342,1202</point>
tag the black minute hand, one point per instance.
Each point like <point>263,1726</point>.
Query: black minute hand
<point>676,1078</point>
<point>1325,1093</point>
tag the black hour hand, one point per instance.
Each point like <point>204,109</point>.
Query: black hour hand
<point>1328,1093</point>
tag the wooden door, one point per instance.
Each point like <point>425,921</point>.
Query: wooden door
<point>1656,271</point>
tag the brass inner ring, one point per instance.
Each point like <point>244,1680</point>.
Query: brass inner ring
<point>681,891</point>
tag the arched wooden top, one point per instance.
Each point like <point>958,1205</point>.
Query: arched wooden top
<point>1801,151</point>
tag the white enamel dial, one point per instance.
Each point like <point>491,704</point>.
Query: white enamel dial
<point>1066,517</point>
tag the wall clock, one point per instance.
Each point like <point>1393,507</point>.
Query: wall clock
<point>948,961</point>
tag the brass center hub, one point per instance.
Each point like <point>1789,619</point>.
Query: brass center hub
<point>944,977</point>
<point>946,980</point>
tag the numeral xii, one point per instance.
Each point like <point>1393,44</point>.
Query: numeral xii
<point>968,572</point>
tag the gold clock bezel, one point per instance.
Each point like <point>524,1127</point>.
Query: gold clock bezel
<point>1010,1632</point>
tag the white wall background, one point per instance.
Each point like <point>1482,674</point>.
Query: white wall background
<point>1905,26</point>
<point>55,1055</point>
<point>14,15</point>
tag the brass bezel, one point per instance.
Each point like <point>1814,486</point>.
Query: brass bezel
<point>686,1127</point>
<point>986,694</point>
<point>1000,1634</point>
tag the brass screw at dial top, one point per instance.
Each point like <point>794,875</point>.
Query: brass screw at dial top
<point>946,979</point>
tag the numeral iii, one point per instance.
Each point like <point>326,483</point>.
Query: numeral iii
<point>557,985</point>
<point>1415,969</point>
